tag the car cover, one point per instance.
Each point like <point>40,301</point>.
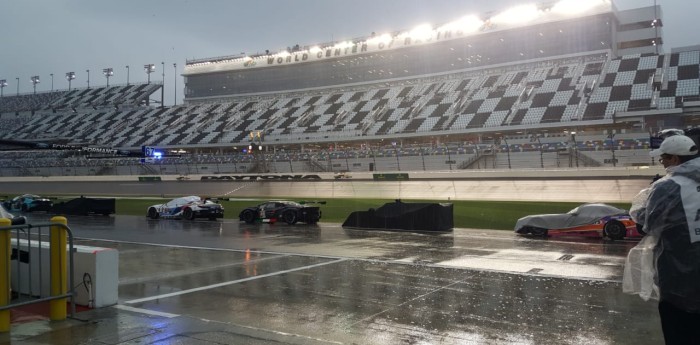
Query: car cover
<point>582,215</point>
<point>404,216</point>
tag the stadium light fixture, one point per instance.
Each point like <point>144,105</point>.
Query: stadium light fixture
<point>35,80</point>
<point>572,7</point>
<point>3,83</point>
<point>468,24</point>
<point>384,38</point>
<point>70,76</point>
<point>421,32</point>
<point>517,15</point>
<point>149,68</point>
<point>108,72</point>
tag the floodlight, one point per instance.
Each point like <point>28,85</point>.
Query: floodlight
<point>421,32</point>
<point>466,24</point>
<point>108,72</point>
<point>384,38</point>
<point>149,68</point>
<point>70,76</point>
<point>517,15</point>
<point>35,80</point>
<point>571,7</point>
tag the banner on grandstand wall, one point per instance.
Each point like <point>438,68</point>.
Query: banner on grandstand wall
<point>390,177</point>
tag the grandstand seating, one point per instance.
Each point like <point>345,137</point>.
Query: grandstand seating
<point>581,90</point>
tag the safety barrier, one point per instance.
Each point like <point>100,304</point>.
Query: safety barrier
<point>18,243</point>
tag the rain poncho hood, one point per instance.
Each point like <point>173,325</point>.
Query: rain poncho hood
<point>666,263</point>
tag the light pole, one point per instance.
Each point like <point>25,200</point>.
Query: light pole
<point>17,86</point>
<point>162,87</point>
<point>575,147</point>
<point>70,76</point>
<point>149,68</point>
<point>127,75</point>
<point>175,76</point>
<point>51,81</point>
<point>449,156</point>
<point>3,83</point>
<point>35,80</point>
<point>88,79</point>
<point>108,72</point>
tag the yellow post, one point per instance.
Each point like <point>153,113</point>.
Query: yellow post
<point>59,275</point>
<point>5,253</point>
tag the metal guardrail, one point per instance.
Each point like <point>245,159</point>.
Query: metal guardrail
<point>21,245</point>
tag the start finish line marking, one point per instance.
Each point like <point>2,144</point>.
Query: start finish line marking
<point>214,286</point>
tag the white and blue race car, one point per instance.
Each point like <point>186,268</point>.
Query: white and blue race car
<point>187,207</point>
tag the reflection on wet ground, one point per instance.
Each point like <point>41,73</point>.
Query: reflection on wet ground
<point>229,283</point>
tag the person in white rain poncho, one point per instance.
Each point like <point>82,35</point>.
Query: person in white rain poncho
<point>666,263</point>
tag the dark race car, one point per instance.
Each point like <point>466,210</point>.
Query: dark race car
<point>28,203</point>
<point>187,207</point>
<point>289,212</point>
<point>591,220</point>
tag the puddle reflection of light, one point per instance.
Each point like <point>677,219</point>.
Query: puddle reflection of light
<point>251,268</point>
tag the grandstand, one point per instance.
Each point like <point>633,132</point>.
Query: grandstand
<point>564,90</point>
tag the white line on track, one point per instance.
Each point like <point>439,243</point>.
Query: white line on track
<point>213,286</point>
<point>146,311</point>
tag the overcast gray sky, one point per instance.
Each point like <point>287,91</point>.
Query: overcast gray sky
<point>40,37</point>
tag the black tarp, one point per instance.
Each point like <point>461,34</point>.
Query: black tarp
<point>404,216</point>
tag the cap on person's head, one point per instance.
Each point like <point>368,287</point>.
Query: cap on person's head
<point>677,145</point>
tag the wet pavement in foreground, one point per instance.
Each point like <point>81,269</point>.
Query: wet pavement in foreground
<point>219,282</point>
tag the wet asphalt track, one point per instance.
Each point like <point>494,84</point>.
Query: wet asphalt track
<point>221,282</point>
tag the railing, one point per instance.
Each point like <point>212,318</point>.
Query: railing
<point>24,244</point>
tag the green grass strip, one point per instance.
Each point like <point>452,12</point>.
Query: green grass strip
<point>500,215</point>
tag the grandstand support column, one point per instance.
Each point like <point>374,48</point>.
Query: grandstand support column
<point>449,156</point>
<point>612,148</point>
<point>507,151</point>
<point>539,143</point>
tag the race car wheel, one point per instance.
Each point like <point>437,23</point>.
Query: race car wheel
<point>290,217</point>
<point>248,216</point>
<point>152,213</point>
<point>188,214</point>
<point>614,230</point>
<point>538,231</point>
<point>24,208</point>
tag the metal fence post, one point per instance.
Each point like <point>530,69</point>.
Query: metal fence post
<point>5,253</point>
<point>59,275</point>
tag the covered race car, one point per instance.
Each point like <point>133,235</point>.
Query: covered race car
<point>84,206</point>
<point>28,203</point>
<point>594,220</point>
<point>287,211</point>
<point>188,207</point>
